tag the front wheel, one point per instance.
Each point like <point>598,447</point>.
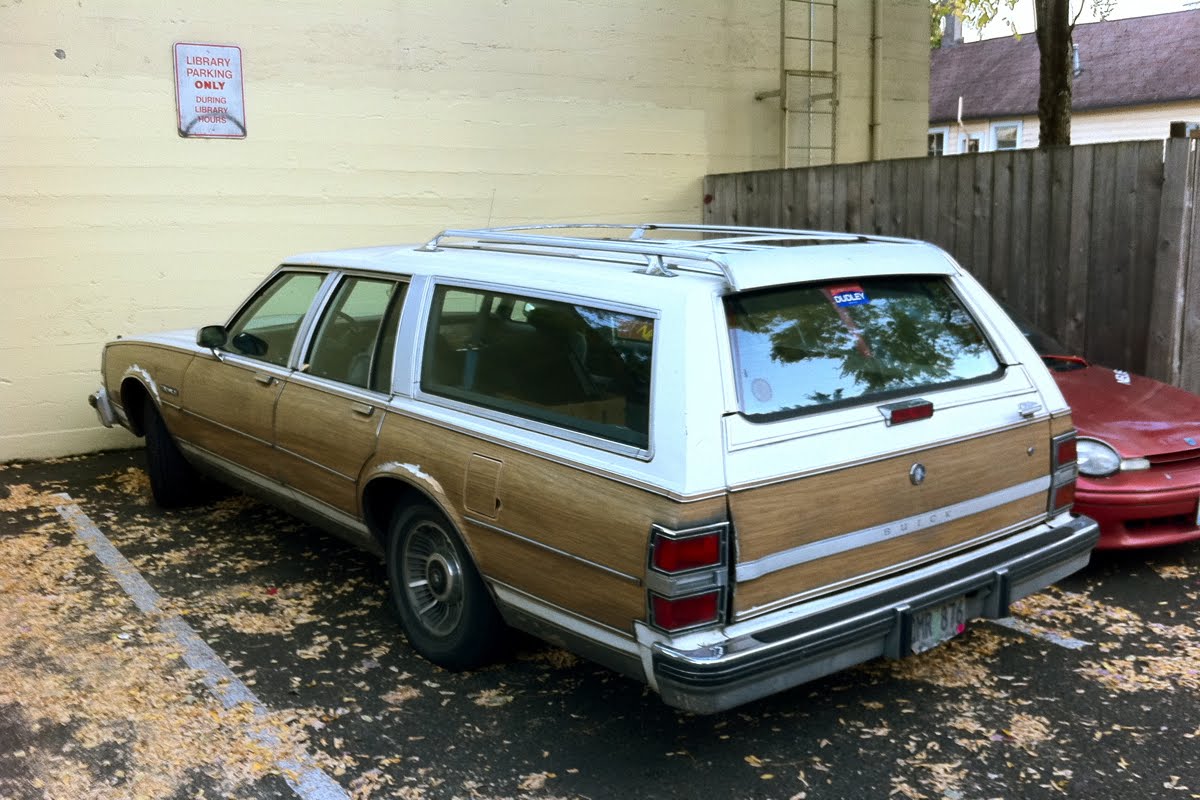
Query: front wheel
<point>445,609</point>
<point>173,481</point>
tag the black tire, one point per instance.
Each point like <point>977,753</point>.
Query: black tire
<point>173,481</point>
<point>446,611</point>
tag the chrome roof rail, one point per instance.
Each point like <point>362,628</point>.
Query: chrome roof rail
<point>569,247</point>
<point>701,255</point>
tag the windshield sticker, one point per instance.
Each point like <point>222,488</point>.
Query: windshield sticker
<point>851,295</point>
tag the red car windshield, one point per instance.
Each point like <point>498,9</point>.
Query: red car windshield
<point>810,346</point>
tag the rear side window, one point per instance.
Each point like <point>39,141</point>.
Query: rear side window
<point>356,337</point>
<point>807,347</point>
<point>572,366</point>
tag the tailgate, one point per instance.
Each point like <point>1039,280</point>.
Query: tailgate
<point>879,427</point>
<point>810,535</point>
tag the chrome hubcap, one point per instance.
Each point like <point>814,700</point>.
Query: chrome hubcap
<point>433,582</point>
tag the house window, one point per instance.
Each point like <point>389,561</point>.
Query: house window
<point>969,144</point>
<point>937,141</point>
<point>1006,135</point>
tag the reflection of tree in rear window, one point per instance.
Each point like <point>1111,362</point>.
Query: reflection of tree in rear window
<point>803,347</point>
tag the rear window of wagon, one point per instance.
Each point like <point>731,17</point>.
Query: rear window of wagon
<point>807,347</point>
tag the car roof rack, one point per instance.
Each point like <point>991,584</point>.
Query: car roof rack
<point>701,255</point>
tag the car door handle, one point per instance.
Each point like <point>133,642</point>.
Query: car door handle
<point>265,379</point>
<point>362,409</point>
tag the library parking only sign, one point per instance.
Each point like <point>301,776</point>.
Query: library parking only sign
<point>208,91</point>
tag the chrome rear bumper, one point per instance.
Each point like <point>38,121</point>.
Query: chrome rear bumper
<point>801,643</point>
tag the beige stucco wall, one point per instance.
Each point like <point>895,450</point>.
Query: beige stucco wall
<point>381,123</point>
<point>1091,127</point>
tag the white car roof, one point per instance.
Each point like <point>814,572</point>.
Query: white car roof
<point>637,269</point>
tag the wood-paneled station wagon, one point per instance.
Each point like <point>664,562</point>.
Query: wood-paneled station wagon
<point>723,460</point>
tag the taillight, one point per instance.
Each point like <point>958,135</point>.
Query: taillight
<point>678,613</point>
<point>673,554</point>
<point>1063,456</point>
<point>687,572</point>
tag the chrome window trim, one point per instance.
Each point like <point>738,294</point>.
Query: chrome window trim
<point>325,297</point>
<point>345,390</point>
<point>551,549</point>
<point>418,356</point>
<point>864,537</point>
<point>950,281</point>
<point>403,406</point>
<point>536,426</point>
<point>867,416</point>
<point>309,324</point>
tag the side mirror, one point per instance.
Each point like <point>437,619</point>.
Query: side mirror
<point>212,336</point>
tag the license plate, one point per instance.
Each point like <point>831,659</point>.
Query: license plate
<point>934,625</point>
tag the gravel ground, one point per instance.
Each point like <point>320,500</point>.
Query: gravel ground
<point>1094,697</point>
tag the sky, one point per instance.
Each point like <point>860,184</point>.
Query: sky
<point>1022,15</point>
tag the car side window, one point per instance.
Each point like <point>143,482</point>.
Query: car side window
<point>267,328</point>
<point>573,366</point>
<point>356,337</point>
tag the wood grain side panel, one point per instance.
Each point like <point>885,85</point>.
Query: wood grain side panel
<point>1060,425</point>
<point>575,587</point>
<point>228,412</point>
<point>164,365</point>
<point>781,516</point>
<point>322,444</point>
<point>814,575</point>
<point>586,515</point>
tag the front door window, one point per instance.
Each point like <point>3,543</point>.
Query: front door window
<point>267,327</point>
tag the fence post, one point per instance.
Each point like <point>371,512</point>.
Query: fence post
<point>1189,349</point>
<point>1164,345</point>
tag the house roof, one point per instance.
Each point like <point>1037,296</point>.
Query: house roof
<point>1124,62</point>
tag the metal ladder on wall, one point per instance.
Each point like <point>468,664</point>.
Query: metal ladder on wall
<point>808,82</point>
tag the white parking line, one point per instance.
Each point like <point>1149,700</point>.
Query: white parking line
<point>1047,636</point>
<point>301,773</point>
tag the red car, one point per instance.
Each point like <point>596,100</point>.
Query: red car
<point>1139,450</point>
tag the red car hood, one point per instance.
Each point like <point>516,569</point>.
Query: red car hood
<point>1144,418</point>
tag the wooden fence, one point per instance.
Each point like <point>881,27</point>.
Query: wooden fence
<point>1097,244</point>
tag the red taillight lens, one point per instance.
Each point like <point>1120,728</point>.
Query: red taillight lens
<point>672,614</point>
<point>1064,496</point>
<point>906,411</point>
<point>678,555</point>
<point>1062,487</point>
<point>1065,452</point>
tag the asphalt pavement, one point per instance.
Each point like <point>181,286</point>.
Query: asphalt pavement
<point>229,650</point>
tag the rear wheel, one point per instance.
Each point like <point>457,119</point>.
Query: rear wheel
<point>173,481</point>
<point>445,609</point>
